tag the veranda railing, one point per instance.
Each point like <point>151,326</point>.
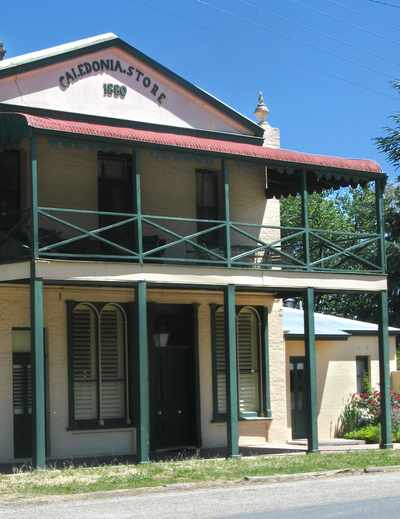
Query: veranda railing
<point>100,235</point>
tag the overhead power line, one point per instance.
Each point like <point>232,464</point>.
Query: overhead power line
<point>330,36</point>
<point>382,2</point>
<point>349,22</point>
<point>266,28</point>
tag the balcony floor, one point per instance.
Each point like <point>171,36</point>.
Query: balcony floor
<point>116,272</point>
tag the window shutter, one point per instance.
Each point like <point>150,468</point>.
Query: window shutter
<point>220,362</point>
<point>22,388</point>
<point>83,335</point>
<point>248,359</point>
<point>112,363</point>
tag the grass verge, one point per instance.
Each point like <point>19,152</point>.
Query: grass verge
<point>73,480</point>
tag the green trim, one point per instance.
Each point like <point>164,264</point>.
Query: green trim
<point>384,372</point>
<point>231,371</point>
<point>217,417</point>
<point>305,222</point>
<point>38,372</point>
<point>142,374</point>
<point>118,43</point>
<point>196,307</point>
<point>138,204</point>
<point>310,371</point>
<point>380,222</point>
<point>265,367</point>
<point>70,366</point>
<point>228,245</point>
<point>34,197</point>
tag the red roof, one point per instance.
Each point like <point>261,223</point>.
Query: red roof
<point>237,149</point>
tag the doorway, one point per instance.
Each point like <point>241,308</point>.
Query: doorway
<point>297,397</point>
<point>173,376</point>
<point>23,392</point>
<point>22,405</point>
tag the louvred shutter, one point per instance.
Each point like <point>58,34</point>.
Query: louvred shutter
<point>220,362</point>
<point>248,358</point>
<point>112,347</point>
<point>83,335</point>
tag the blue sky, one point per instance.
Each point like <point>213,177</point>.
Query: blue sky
<point>324,66</point>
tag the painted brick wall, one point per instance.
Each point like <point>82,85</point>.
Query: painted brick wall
<point>14,311</point>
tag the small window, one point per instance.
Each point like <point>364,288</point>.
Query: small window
<point>363,375</point>
<point>98,367</point>
<point>210,205</point>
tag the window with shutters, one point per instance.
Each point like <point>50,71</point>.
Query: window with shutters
<point>249,358</point>
<point>99,389</point>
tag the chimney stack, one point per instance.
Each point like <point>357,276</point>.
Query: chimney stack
<point>271,135</point>
<point>2,51</point>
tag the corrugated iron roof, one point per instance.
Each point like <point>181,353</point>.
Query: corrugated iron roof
<point>200,144</point>
<point>328,325</point>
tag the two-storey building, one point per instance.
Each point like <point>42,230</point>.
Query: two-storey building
<point>143,263</point>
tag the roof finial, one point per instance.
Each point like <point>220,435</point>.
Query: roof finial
<point>261,111</point>
<point>2,51</point>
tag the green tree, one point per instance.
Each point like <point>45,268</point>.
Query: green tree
<point>390,143</point>
<point>354,210</point>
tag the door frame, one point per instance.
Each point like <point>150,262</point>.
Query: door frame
<point>297,359</point>
<point>196,373</point>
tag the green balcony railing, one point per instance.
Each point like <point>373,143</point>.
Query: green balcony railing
<point>99,235</point>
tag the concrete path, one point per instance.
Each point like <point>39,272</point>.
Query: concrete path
<point>367,496</point>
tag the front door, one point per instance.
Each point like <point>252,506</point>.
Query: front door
<point>23,392</point>
<point>172,376</point>
<point>297,397</point>
<point>22,405</point>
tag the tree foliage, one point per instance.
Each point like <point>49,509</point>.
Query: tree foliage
<point>353,210</point>
<point>390,143</point>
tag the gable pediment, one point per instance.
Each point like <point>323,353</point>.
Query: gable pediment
<point>113,82</point>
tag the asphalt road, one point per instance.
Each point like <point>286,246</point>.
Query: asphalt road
<point>368,496</point>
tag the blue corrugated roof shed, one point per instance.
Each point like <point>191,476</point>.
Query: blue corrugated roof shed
<point>328,326</point>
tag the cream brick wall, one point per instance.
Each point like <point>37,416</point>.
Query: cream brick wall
<point>67,178</point>
<point>14,311</point>
<point>336,375</point>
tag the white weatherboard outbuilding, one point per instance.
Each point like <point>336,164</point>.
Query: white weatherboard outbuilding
<point>143,266</point>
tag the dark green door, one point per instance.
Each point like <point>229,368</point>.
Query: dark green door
<point>22,405</point>
<point>297,397</point>
<point>172,376</point>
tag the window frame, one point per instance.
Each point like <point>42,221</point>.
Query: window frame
<point>366,359</point>
<point>98,423</point>
<point>263,369</point>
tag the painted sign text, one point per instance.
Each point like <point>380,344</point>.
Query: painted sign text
<point>86,68</point>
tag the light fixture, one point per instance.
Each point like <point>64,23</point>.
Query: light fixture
<point>161,336</point>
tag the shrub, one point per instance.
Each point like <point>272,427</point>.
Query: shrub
<point>364,409</point>
<point>369,433</point>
